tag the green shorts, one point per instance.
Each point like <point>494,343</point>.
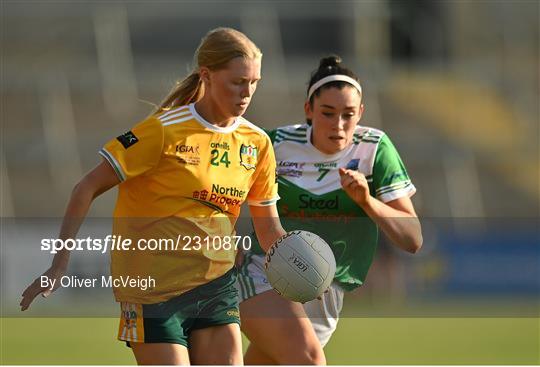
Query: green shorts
<point>211,304</point>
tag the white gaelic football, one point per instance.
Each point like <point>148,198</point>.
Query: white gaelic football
<point>300,266</point>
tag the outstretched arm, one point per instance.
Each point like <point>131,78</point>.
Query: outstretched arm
<point>93,184</point>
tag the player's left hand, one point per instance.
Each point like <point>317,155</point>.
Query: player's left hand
<point>355,185</point>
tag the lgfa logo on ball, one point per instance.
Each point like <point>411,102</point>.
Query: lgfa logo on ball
<point>299,262</point>
<point>300,266</point>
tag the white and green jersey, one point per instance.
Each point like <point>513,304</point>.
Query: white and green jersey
<point>312,198</point>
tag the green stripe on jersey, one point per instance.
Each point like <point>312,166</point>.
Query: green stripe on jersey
<point>366,140</point>
<point>368,135</point>
<point>280,138</point>
<point>293,135</point>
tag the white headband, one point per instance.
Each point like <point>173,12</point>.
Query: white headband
<point>334,78</point>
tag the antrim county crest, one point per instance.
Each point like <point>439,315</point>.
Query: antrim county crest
<point>248,156</point>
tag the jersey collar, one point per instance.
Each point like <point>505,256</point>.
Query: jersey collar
<point>211,126</point>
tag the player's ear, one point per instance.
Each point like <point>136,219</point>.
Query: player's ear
<point>360,111</point>
<point>204,74</point>
<point>308,110</point>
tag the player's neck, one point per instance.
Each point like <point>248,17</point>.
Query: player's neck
<point>208,111</point>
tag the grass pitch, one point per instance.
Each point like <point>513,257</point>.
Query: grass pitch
<point>372,341</point>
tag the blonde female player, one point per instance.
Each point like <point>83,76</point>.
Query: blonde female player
<point>341,181</point>
<point>184,170</point>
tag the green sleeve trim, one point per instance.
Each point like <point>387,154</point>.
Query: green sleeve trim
<point>114,163</point>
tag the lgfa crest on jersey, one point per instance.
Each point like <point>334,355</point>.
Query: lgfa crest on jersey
<point>248,156</point>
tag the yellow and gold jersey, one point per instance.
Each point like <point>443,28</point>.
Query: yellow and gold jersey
<point>182,178</point>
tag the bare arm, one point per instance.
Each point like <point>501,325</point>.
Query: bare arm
<point>397,218</point>
<point>267,224</point>
<point>93,184</point>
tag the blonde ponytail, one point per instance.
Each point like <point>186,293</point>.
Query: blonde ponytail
<point>186,91</point>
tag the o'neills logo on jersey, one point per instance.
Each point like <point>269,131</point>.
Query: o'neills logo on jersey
<point>224,145</point>
<point>248,156</point>
<point>326,165</point>
<point>307,202</point>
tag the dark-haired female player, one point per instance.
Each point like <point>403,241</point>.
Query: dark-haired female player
<point>342,181</point>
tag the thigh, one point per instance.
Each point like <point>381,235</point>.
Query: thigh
<point>324,313</point>
<point>280,329</point>
<point>221,344</point>
<point>160,354</point>
<point>256,357</point>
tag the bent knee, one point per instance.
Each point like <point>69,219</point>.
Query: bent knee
<point>316,357</point>
<point>304,356</point>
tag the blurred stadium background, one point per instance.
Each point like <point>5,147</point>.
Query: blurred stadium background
<point>455,84</point>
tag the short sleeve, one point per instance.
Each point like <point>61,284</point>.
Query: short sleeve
<point>390,178</point>
<point>135,151</point>
<point>263,191</point>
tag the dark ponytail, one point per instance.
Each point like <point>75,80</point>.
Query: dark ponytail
<point>329,65</point>
<point>329,62</point>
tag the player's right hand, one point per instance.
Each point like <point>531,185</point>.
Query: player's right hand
<point>35,288</point>
<point>354,183</point>
<point>239,260</point>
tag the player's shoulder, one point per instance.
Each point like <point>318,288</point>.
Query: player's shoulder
<point>250,128</point>
<point>293,129</point>
<point>366,134</point>
<point>175,115</point>
<point>295,134</point>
